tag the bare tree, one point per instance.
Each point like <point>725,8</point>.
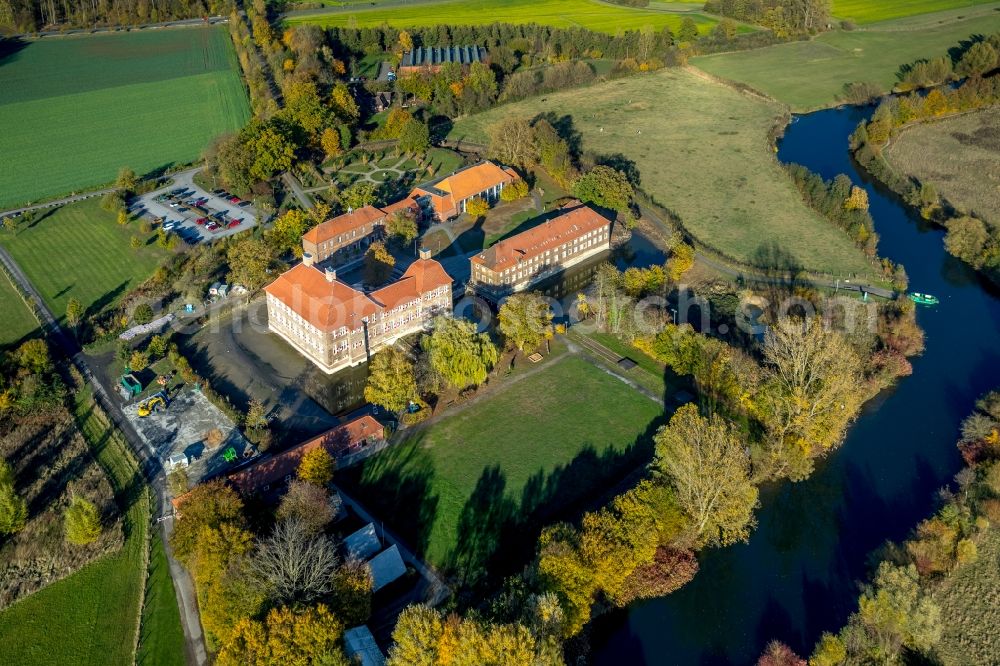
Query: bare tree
<point>295,564</point>
<point>310,505</point>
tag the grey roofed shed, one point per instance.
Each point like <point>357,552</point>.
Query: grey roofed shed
<point>386,567</point>
<point>361,647</point>
<point>364,543</point>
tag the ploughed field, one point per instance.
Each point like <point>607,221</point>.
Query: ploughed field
<point>590,14</point>
<point>959,156</point>
<point>871,11</point>
<point>469,491</point>
<point>811,74</point>
<point>76,109</point>
<point>701,150</point>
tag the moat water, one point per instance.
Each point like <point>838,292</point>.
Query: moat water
<point>798,576</point>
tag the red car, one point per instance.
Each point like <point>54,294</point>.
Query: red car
<point>201,221</point>
<point>234,199</point>
<point>212,226</point>
<point>234,223</point>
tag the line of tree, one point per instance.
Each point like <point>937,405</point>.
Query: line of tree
<point>841,202</point>
<point>973,240</point>
<point>34,15</point>
<point>783,17</point>
<point>898,619</point>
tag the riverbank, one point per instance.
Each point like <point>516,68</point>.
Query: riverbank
<point>795,578</point>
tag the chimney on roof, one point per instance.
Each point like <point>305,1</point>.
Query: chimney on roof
<point>331,275</point>
<point>425,253</point>
<point>307,259</point>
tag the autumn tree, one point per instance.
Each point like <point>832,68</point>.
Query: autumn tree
<point>391,380</point>
<point>13,507</point>
<point>415,137</point>
<point>812,390</point>
<point>329,140</point>
<point>416,638</point>
<point>680,262</point>
<point>351,595</point>
<point>402,227</point>
<point>82,522</point>
<point>74,312</point>
<point>208,506</point>
<point>605,187</point>
<point>316,467</point>
<point>286,234</point>
<point>778,654</point>
<point>307,637</point>
<point>249,259</point>
<point>554,153</point>
<point>309,505</point>
<point>688,31</point>
<point>477,207</point>
<point>33,356</point>
<point>514,191</point>
<point>127,180</point>
<point>895,614</point>
<point>295,564</point>
<point>706,463</point>
<point>358,195</point>
<point>979,59</point>
<point>525,320</point>
<point>512,141</point>
<point>379,263</point>
<point>460,355</point>
<point>138,361</point>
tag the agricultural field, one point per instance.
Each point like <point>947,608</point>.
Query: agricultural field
<point>970,601</point>
<point>463,489</point>
<point>590,14</point>
<point>701,150</point>
<point>17,322</point>
<point>811,75</point>
<point>76,109</point>
<point>871,11</point>
<point>92,617</point>
<point>959,156</point>
<point>80,251</point>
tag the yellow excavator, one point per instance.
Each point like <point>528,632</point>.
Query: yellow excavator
<point>153,403</point>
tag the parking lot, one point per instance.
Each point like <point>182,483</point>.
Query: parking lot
<point>194,214</point>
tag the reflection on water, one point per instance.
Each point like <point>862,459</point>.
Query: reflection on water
<point>341,392</point>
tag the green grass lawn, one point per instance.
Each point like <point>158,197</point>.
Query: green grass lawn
<point>91,618</point>
<point>468,488</point>
<point>161,639</point>
<point>703,153</point>
<point>588,14</point>
<point>79,251</point>
<point>870,11</point>
<point>76,109</point>
<point>16,323</point>
<point>811,75</point>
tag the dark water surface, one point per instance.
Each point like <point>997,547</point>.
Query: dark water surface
<point>798,576</point>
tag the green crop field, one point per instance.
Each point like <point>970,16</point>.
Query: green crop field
<point>91,618</point>
<point>870,11</point>
<point>588,14</point>
<point>458,489</point>
<point>76,109</point>
<point>79,251</point>
<point>701,150</point>
<point>811,75</point>
<point>16,321</point>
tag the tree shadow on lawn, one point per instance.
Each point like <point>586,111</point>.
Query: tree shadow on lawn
<point>497,534</point>
<point>397,485</point>
<point>104,301</point>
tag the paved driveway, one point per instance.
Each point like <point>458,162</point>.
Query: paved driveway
<point>215,204</point>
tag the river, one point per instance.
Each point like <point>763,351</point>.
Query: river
<point>798,576</point>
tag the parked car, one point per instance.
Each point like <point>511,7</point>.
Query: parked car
<point>201,220</point>
<point>234,199</point>
<point>213,226</point>
<point>183,209</point>
<point>218,191</point>
<point>234,223</point>
<point>177,191</point>
<point>244,204</point>
<point>174,204</point>
<point>201,201</point>
<point>167,226</point>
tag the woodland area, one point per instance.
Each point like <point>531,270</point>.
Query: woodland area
<point>32,15</point>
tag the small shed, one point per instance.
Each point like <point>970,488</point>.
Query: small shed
<point>178,460</point>
<point>362,544</point>
<point>361,647</point>
<point>386,567</point>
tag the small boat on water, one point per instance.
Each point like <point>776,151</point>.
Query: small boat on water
<point>923,299</point>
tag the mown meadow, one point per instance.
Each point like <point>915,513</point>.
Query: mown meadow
<point>867,11</point>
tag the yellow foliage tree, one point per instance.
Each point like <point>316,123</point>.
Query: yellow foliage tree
<point>680,262</point>
<point>330,141</point>
<point>477,207</point>
<point>317,467</point>
<point>306,637</point>
<point>857,200</point>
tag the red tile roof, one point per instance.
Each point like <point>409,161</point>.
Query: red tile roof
<point>403,204</point>
<point>326,304</point>
<point>576,222</point>
<point>466,182</point>
<point>343,224</point>
<point>422,276</point>
<point>275,468</point>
